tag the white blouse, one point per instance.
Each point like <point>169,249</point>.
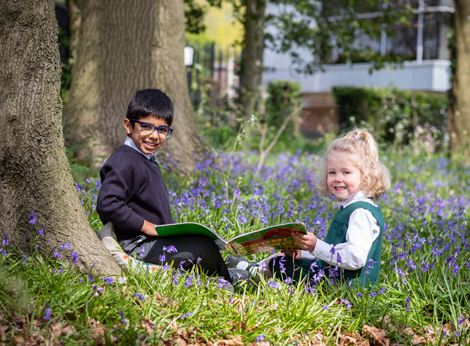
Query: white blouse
<point>363,229</point>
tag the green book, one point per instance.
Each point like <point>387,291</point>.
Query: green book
<point>267,239</point>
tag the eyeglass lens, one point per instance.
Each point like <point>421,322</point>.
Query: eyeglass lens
<point>149,128</point>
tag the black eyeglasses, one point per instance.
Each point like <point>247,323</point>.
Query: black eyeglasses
<point>147,128</point>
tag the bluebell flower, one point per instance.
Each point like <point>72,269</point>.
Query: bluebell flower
<point>32,217</point>
<point>75,256</point>
<point>121,313</point>
<point>260,338</point>
<point>47,316</point>
<point>186,315</point>
<point>139,296</point>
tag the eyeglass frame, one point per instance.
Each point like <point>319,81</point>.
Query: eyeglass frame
<point>154,128</point>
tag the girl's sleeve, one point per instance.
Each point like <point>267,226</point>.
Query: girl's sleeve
<point>363,230</point>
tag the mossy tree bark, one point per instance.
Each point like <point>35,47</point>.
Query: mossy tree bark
<point>459,120</point>
<point>253,23</point>
<point>34,170</point>
<point>126,46</point>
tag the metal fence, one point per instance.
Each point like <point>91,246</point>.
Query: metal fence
<point>213,82</point>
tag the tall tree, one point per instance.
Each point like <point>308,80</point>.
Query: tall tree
<point>126,46</point>
<point>253,19</point>
<point>34,170</point>
<point>459,120</point>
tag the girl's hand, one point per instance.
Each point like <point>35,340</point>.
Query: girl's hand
<point>149,229</point>
<point>305,241</point>
<point>292,253</point>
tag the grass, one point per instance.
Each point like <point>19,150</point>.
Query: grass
<point>422,297</point>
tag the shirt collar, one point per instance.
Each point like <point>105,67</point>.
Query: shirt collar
<point>130,143</point>
<point>359,196</point>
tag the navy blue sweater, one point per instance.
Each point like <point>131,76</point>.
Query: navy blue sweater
<point>132,190</point>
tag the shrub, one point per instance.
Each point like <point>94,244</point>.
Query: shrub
<point>393,115</point>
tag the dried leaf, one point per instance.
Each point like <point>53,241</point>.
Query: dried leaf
<point>418,340</point>
<point>3,330</point>
<point>180,342</point>
<point>18,339</point>
<point>377,334</point>
<point>148,325</point>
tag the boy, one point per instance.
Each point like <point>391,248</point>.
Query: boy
<point>134,198</point>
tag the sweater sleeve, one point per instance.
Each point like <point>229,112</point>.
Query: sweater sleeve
<point>115,191</point>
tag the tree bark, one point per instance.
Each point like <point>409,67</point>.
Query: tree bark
<point>459,119</point>
<point>34,170</point>
<point>252,55</point>
<point>127,46</point>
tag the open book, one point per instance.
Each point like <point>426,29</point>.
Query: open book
<point>267,239</point>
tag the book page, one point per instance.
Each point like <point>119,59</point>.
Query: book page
<point>187,228</point>
<point>272,238</point>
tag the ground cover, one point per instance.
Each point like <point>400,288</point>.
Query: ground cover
<point>422,297</point>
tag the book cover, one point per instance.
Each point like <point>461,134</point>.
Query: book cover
<point>267,239</point>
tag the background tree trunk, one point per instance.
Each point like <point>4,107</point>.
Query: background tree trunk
<point>34,171</point>
<point>253,51</point>
<point>126,46</point>
<point>459,120</point>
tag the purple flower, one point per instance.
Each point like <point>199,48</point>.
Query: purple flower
<point>359,294</point>
<point>170,249</point>
<point>55,253</point>
<point>186,315</point>
<point>461,318</point>
<point>288,280</point>
<point>347,303</point>
<point>188,282</point>
<point>75,256</point>
<point>260,338</point>
<point>47,316</point>
<point>139,296</point>
<point>371,263</point>
<point>162,258</point>
<point>332,250</point>
<point>338,258</point>
<point>32,218</point>
<point>373,294</point>
<point>121,313</point>
<point>326,307</point>
<point>142,251</point>
<point>41,232</point>
<point>90,277</point>
<point>107,281</point>
<point>272,283</point>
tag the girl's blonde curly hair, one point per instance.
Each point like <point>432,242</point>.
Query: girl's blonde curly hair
<point>360,143</point>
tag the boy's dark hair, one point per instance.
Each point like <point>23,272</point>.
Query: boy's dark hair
<point>150,102</point>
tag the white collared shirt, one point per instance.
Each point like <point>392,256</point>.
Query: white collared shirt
<point>131,143</point>
<point>362,231</point>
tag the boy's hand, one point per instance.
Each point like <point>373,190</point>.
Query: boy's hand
<point>292,253</point>
<point>149,228</point>
<point>305,241</point>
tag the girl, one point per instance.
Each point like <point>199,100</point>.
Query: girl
<point>352,248</point>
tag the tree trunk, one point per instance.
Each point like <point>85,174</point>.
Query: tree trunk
<point>34,171</point>
<point>126,46</point>
<point>252,55</point>
<point>459,119</point>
